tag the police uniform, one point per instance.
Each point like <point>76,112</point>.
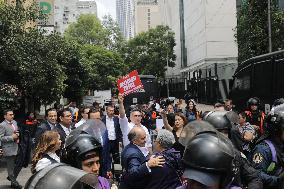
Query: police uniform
<point>268,155</point>
<point>270,167</point>
<point>245,175</point>
<point>255,117</point>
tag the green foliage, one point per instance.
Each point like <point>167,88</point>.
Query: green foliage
<point>100,62</point>
<point>87,30</point>
<point>30,60</point>
<point>114,39</point>
<point>104,66</point>
<point>150,52</point>
<point>76,72</point>
<point>252,29</point>
<point>9,95</point>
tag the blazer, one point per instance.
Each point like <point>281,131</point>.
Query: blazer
<point>117,129</point>
<point>44,126</point>
<point>135,172</point>
<point>61,132</point>
<point>9,146</point>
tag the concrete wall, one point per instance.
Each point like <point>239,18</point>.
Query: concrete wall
<point>146,17</point>
<point>209,31</point>
<point>68,11</point>
<point>170,16</point>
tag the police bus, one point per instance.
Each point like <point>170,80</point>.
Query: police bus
<point>262,77</point>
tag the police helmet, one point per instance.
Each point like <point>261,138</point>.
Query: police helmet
<point>210,156</point>
<point>253,101</point>
<point>275,120</point>
<point>219,120</point>
<point>278,102</point>
<point>77,145</point>
<point>62,176</point>
<point>194,128</point>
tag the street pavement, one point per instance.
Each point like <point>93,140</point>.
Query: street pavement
<point>22,178</point>
<point>26,172</point>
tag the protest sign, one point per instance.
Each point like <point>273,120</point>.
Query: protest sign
<point>129,83</point>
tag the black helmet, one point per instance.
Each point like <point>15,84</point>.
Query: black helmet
<point>210,154</point>
<point>219,120</point>
<point>194,128</point>
<point>278,102</point>
<point>253,101</point>
<point>62,176</point>
<point>275,120</point>
<point>77,145</point>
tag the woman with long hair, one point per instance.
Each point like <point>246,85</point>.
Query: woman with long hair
<point>45,154</point>
<point>191,112</point>
<point>180,122</point>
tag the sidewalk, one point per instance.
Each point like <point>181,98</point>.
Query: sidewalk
<point>22,178</point>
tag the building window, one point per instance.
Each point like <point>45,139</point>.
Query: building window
<point>149,13</point>
<point>149,22</point>
<point>148,10</point>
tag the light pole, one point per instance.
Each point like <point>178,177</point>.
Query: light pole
<point>269,26</point>
<point>168,89</point>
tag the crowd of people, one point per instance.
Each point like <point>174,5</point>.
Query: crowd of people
<point>160,145</point>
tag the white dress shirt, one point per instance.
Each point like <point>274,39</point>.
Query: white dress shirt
<point>81,122</point>
<point>110,128</point>
<point>66,130</point>
<point>126,127</point>
<point>44,162</point>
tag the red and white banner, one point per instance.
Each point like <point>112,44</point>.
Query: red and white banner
<point>129,83</point>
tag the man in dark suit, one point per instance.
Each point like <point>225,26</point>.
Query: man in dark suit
<point>136,168</point>
<point>64,125</point>
<point>114,133</point>
<point>47,125</point>
<point>9,136</point>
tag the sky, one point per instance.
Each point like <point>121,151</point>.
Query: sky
<point>106,7</point>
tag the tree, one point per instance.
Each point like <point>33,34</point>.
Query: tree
<point>104,66</point>
<point>30,60</point>
<point>77,74</point>
<point>87,30</point>
<point>252,29</point>
<point>115,39</point>
<point>150,52</point>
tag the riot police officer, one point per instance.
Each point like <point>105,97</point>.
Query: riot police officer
<point>268,154</point>
<point>83,151</point>
<point>254,115</point>
<point>246,175</point>
<point>209,162</point>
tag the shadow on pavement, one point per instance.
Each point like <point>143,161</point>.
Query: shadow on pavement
<point>5,186</point>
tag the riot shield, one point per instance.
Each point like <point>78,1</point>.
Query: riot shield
<point>95,128</point>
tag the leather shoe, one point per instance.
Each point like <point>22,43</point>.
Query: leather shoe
<point>16,185</point>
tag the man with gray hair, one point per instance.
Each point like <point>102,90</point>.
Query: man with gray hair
<point>136,168</point>
<point>169,175</point>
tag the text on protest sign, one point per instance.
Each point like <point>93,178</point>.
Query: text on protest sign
<point>129,83</point>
